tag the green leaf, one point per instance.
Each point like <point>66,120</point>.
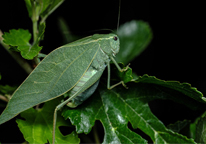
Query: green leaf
<point>30,52</point>
<point>7,89</point>
<point>178,126</point>
<point>190,96</point>
<point>20,39</point>
<point>41,32</point>
<point>201,131</point>
<point>125,76</point>
<point>29,7</point>
<point>116,107</point>
<point>38,124</point>
<point>45,4</point>
<point>49,6</point>
<point>134,38</point>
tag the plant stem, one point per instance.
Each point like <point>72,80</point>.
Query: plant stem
<point>4,98</point>
<point>35,31</point>
<point>35,18</point>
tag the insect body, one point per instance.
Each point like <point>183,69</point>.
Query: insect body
<point>85,94</point>
<point>97,66</point>
<point>74,68</point>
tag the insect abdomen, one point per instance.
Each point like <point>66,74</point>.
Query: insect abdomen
<point>87,93</point>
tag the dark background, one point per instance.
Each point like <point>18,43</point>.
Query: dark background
<point>175,53</point>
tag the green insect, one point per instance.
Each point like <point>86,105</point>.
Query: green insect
<point>74,68</point>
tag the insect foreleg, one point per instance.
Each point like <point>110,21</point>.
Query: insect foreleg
<point>108,77</point>
<point>118,67</point>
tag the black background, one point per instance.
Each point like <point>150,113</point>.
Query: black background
<point>177,50</point>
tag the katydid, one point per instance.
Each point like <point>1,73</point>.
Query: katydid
<point>74,68</point>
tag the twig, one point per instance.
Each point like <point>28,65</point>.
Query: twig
<point>4,98</point>
<point>22,62</point>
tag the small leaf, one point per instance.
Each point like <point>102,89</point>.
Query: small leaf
<point>134,38</point>
<point>49,7</point>
<point>193,126</point>
<point>7,89</point>
<point>45,4</point>
<point>41,32</point>
<point>37,126</point>
<point>29,7</point>
<point>201,131</point>
<point>30,52</point>
<point>178,126</point>
<point>20,39</point>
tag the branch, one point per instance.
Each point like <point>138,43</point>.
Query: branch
<point>3,98</point>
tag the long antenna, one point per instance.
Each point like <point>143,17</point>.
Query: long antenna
<point>118,15</point>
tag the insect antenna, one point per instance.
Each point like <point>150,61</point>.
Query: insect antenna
<point>118,15</point>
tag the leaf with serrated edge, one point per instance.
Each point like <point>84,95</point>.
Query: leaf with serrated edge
<point>201,131</point>
<point>20,38</point>
<point>189,92</point>
<point>116,107</point>
<point>37,126</point>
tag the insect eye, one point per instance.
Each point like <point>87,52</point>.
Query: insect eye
<point>115,38</point>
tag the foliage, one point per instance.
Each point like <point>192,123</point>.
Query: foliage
<point>115,108</point>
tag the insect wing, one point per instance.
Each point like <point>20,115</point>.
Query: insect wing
<point>55,75</point>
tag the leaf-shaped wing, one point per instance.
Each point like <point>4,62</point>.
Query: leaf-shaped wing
<point>54,76</point>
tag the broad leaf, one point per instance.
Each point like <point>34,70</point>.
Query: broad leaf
<point>178,126</point>
<point>201,130</point>
<point>116,107</point>
<point>38,124</point>
<point>190,96</point>
<point>20,39</point>
<point>134,38</point>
